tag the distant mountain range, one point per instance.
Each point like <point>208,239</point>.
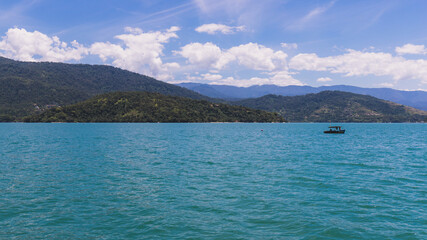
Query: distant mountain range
<point>27,87</point>
<point>416,99</point>
<point>70,92</point>
<point>335,106</point>
<point>151,107</point>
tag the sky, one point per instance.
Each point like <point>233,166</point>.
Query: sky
<point>365,43</point>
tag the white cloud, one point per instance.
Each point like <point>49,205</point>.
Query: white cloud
<point>241,82</point>
<point>283,78</point>
<point>279,78</point>
<point>324,79</point>
<point>140,52</point>
<point>289,45</point>
<point>411,49</point>
<point>211,77</point>
<point>133,30</point>
<point>188,78</point>
<point>356,63</point>
<point>252,56</point>
<point>214,28</point>
<point>259,57</point>
<point>206,55</point>
<point>19,44</point>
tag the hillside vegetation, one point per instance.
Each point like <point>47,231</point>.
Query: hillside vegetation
<point>151,107</point>
<point>335,106</point>
<point>30,87</point>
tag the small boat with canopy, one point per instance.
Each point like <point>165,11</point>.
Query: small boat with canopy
<point>335,129</point>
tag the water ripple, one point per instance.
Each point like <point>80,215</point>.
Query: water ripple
<point>212,181</point>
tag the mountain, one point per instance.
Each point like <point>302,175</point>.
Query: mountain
<point>416,99</point>
<point>151,107</point>
<point>29,86</point>
<point>335,106</point>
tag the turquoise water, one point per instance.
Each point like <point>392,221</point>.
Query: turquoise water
<point>212,181</point>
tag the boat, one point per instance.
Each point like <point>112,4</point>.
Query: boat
<point>335,129</point>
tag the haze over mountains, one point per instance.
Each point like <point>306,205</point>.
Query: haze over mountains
<point>416,99</point>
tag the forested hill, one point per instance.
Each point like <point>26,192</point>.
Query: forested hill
<point>151,107</point>
<point>335,106</point>
<point>27,86</point>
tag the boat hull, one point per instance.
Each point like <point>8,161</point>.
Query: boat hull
<point>335,132</point>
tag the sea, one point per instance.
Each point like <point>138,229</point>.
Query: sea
<point>212,181</point>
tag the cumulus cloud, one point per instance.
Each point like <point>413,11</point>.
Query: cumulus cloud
<point>259,57</point>
<point>324,79</point>
<point>284,78</point>
<point>411,49</point>
<point>356,63</point>
<point>139,52</point>
<point>19,44</point>
<point>252,56</point>
<point>142,52</point>
<point>206,55</point>
<point>211,77</point>
<point>214,28</point>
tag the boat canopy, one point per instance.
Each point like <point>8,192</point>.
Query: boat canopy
<point>336,127</point>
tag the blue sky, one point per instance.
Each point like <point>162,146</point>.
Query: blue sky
<point>363,43</point>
